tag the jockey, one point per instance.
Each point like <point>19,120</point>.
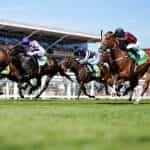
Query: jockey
<point>35,49</point>
<point>84,55</point>
<point>127,41</point>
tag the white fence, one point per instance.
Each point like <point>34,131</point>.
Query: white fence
<point>60,87</point>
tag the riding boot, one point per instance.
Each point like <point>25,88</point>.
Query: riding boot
<point>92,68</point>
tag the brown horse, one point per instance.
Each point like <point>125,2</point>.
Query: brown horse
<point>7,69</point>
<point>50,69</point>
<point>83,76</point>
<point>122,67</point>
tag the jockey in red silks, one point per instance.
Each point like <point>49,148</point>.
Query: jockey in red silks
<point>35,49</point>
<point>127,41</point>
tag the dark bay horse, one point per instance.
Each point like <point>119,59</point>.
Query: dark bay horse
<point>10,68</point>
<point>122,67</point>
<point>83,76</point>
<point>24,62</point>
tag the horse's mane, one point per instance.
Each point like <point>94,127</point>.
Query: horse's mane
<point>18,49</point>
<point>109,33</point>
<point>72,59</point>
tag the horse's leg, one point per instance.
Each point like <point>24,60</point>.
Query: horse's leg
<point>26,85</point>
<point>62,73</point>
<point>105,86</point>
<point>146,82</point>
<point>79,92</point>
<point>82,88</point>
<point>118,89</point>
<point>144,88</point>
<point>85,92</point>
<point>44,87</point>
<point>36,86</point>
<point>20,90</point>
<point>133,84</point>
<point>106,89</point>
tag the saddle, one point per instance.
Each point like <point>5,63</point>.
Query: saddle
<point>94,69</point>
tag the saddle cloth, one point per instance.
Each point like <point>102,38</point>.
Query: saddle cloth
<point>94,69</point>
<point>139,60</point>
<point>42,60</point>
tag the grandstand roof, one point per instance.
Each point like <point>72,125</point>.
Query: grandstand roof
<point>46,32</point>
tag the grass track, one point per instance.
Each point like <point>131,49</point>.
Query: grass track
<point>73,125</point>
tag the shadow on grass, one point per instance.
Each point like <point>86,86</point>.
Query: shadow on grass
<point>138,139</point>
<point>121,103</point>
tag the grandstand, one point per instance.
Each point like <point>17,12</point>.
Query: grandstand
<point>52,39</point>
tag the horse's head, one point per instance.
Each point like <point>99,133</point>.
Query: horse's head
<point>108,41</point>
<point>69,63</point>
<point>66,63</point>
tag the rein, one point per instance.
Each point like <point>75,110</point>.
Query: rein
<point>116,46</point>
<point>118,59</point>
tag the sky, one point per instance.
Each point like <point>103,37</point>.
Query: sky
<point>83,15</point>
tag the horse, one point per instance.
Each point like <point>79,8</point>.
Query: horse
<point>83,75</point>
<point>7,69</point>
<point>122,66</point>
<point>24,62</point>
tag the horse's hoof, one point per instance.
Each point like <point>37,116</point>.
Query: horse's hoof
<point>21,97</point>
<point>118,94</point>
<point>37,97</point>
<point>138,99</point>
<point>92,96</point>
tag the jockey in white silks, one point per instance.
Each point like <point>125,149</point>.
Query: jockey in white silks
<point>35,49</point>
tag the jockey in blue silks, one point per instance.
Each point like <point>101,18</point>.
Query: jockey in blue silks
<point>84,56</point>
<point>35,49</point>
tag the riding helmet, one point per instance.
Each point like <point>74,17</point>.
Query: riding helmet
<point>119,33</point>
<point>25,40</point>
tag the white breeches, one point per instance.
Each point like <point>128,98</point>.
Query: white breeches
<point>134,46</point>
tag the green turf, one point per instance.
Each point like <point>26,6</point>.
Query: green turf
<point>73,125</point>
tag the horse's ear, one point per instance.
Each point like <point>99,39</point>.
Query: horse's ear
<point>113,34</point>
<point>101,35</point>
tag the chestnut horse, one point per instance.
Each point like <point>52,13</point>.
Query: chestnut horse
<point>83,76</point>
<point>122,67</point>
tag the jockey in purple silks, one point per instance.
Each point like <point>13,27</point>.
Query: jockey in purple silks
<point>35,49</point>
